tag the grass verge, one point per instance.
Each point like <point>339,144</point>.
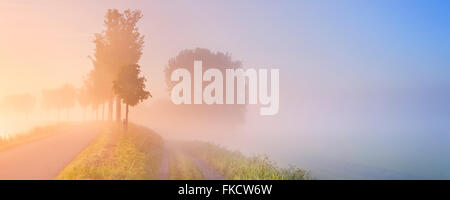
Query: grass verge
<point>233,165</point>
<point>117,155</point>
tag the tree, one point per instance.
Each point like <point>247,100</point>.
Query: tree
<point>84,97</point>
<point>130,87</point>
<point>49,101</point>
<point>232,114</point>
<point>52,100</point>
<point>59,99</point>
<point>96,85</point>
<point>100,78</point>
<point>68,96</point>
<point>120,44</point>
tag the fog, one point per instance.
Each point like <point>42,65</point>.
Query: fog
<point>363,135</point>
<point>364,87</point>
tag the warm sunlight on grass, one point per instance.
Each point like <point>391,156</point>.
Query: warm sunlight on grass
<point>234,165</point>
<point>33,135</point>
<point>118,155</point>
<point>182,168</point>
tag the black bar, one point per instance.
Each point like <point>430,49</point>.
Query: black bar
<point>279,189</point>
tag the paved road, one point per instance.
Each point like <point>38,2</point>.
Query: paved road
<point>45,158</point>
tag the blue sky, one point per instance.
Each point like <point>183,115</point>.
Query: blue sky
<point>401,42</point>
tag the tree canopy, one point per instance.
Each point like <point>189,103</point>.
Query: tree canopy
<point>130,86</point>
<point>119,44</point>
<point>235,114</point>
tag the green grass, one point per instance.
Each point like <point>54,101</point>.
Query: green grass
<point>234,165</point>
<point>182,167</point>
<point>118,155</point>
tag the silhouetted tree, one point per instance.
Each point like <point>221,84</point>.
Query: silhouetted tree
<point>130,87</point>
<point>234,114</point>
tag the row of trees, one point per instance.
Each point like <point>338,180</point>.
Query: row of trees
<point>59,99</point>
<point>63,98</point>
<point>116,74</point>
<point>115,77</point>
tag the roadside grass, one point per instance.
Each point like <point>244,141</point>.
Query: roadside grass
<point>182,167</point>
<point>233,165</point>
<point>34,134</point>
<point>117,155</point>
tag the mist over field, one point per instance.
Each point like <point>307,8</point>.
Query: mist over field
<point>364,87</point>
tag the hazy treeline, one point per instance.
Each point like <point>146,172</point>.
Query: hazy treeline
<point>114,79</point>
<point>63,98</point>
<point>58,99</point>
<point>21,104</point>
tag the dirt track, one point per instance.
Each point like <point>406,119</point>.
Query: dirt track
<point>208,172</point>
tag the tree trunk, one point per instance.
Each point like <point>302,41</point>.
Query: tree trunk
<point>110,105</point>
<point>126,118</point>
<point>118,109</point>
